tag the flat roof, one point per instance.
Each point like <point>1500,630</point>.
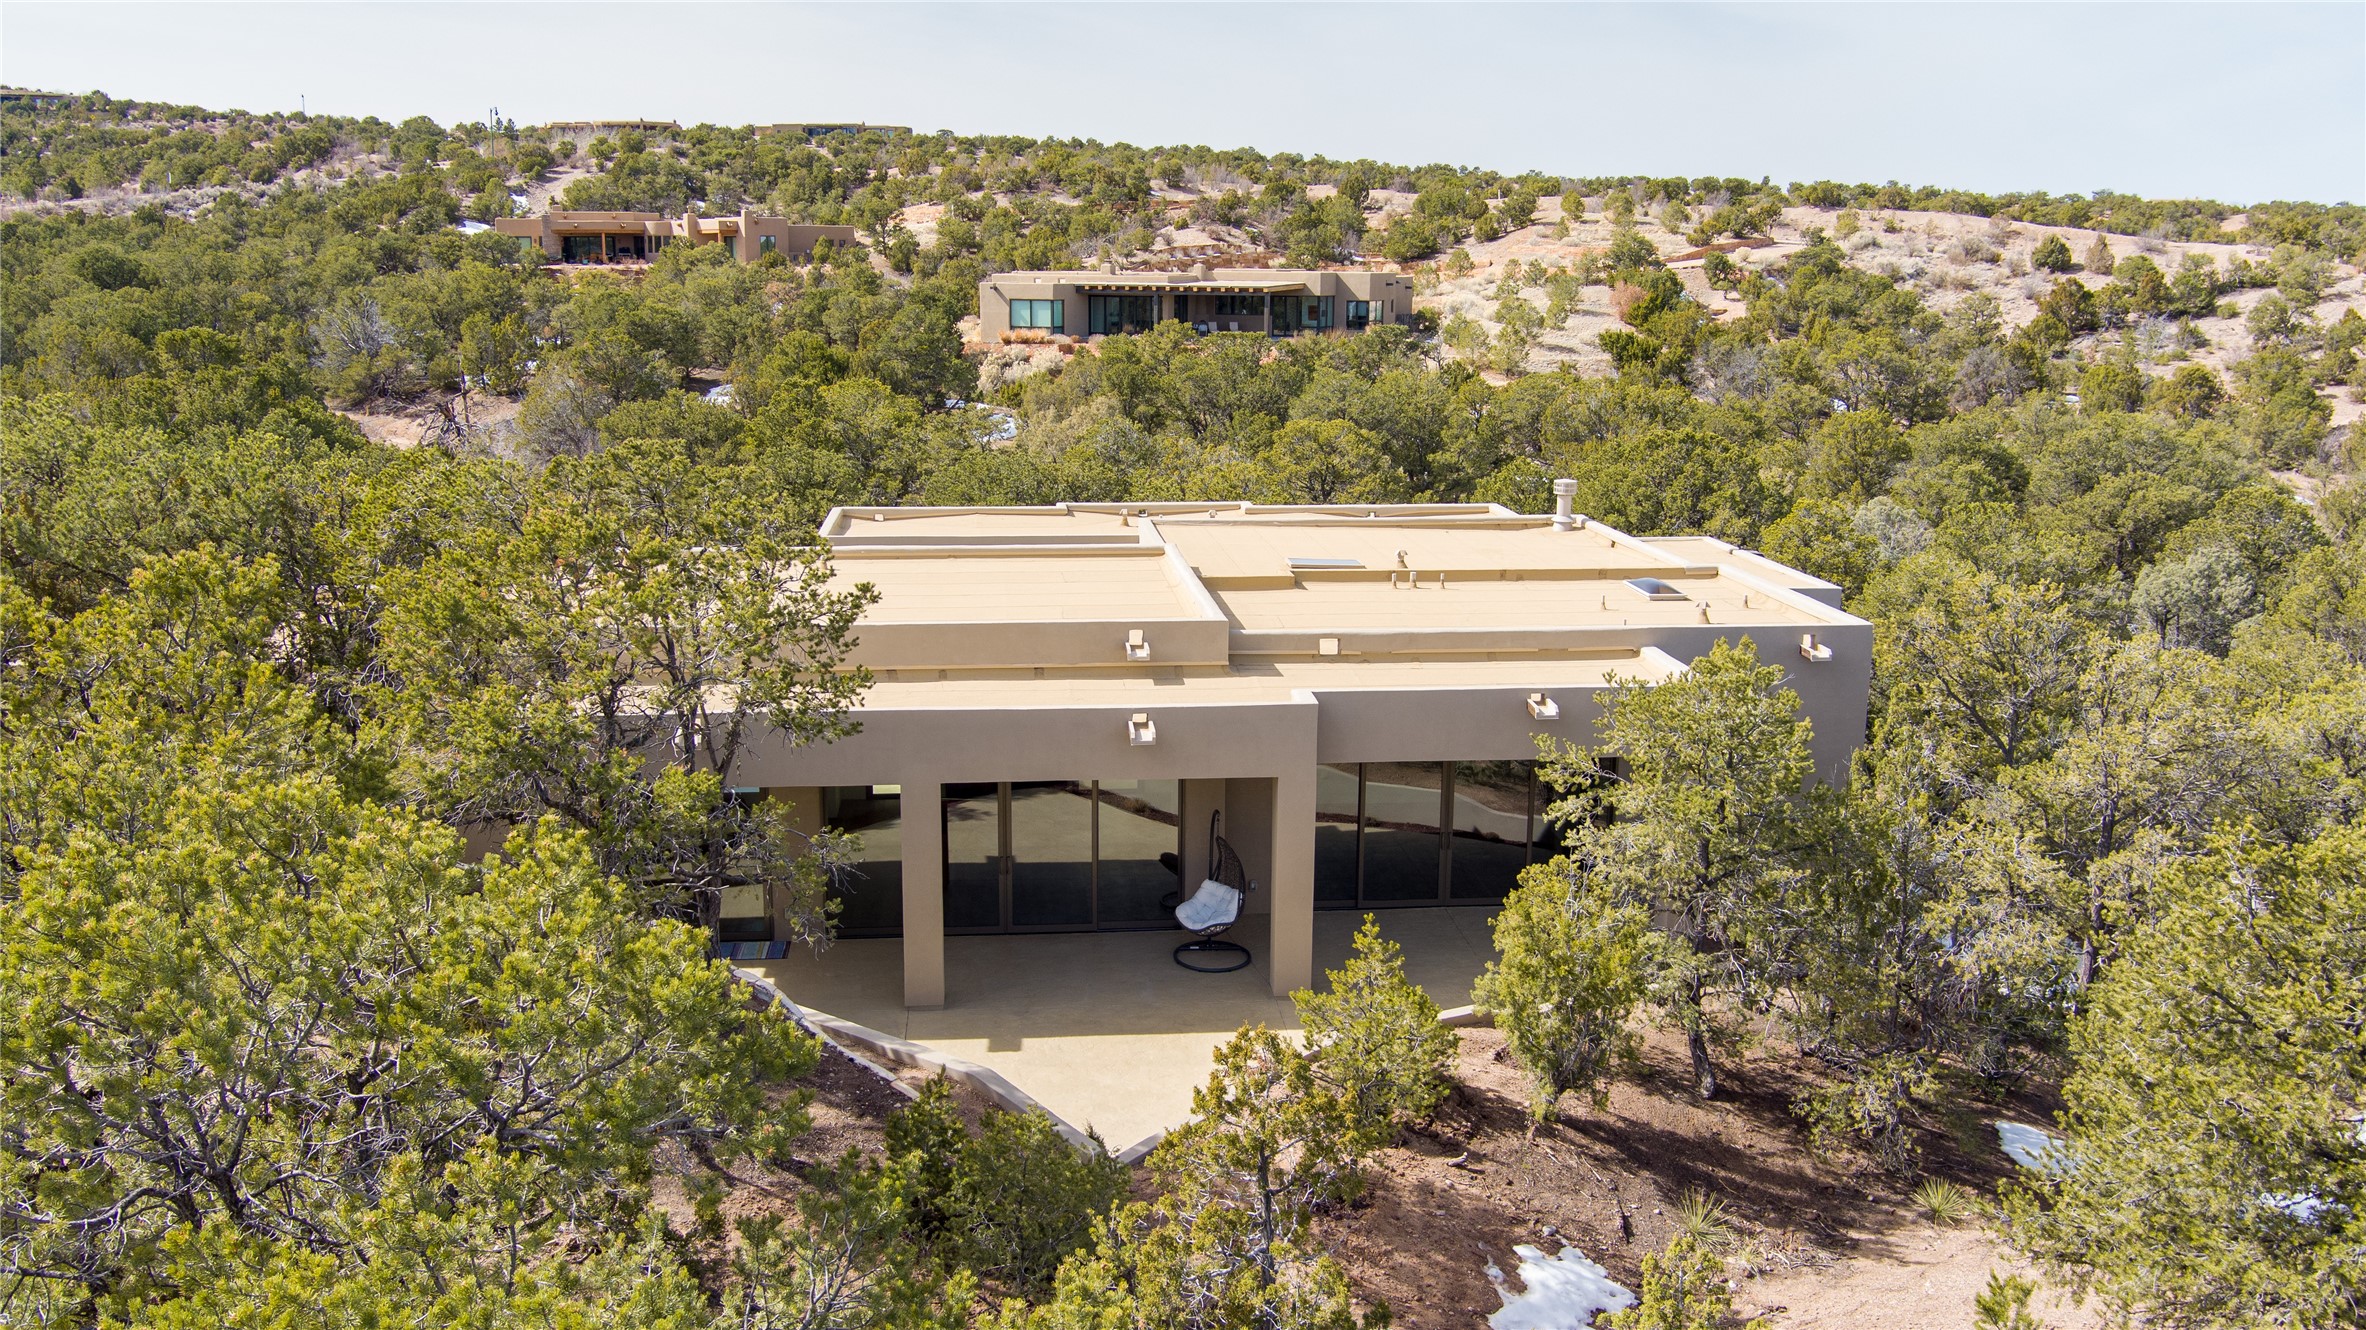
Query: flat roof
<point>1220,279</point>
<point>1050,589</point>
<point>1526,604</point>
<point>1225,547</point>
<point>1337,591</point>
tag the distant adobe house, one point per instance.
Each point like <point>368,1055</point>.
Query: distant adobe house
<point>635,237</point>
<point>1278,301</point>
<point>582,132</point>
<point>816,131</point>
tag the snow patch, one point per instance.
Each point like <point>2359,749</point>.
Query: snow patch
<point>2033,1148</point>
<point>1564,1292</point>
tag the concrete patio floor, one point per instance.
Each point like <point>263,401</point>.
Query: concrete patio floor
<point>1104,1029</point>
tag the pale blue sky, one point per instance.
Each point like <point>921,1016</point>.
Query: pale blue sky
<point>2243,102</point>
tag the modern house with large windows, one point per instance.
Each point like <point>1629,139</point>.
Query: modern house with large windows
<point>1065,698</point>
<point>636,237</point>
<point>1019,306</point>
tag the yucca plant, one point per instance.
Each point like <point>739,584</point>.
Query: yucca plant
<point>1704,1219</point>
<point>1945,1203</point>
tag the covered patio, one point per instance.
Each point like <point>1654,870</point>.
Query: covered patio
<point>1104,1029</point>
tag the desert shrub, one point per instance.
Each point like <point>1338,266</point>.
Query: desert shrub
<point>928,1140</point>
<point>2072,305</point>
<point>1574,962</point>
<point>1010,1201</point>
<point>1870,1106</point>
<point>2192,391</point>
<point>2004,1304</point>
<point>1024,1196</point>
<point>2112,386</point>
<point>1631,253</point>
<point>1683,1288</point>
<point>2271,322</point>
<point>1721,271</point>
<point>2053,255</point>
<point>1374,1035</point>
<point>1845,225</point>
<point>2098,259</point>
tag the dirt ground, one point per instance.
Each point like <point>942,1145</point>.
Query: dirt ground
<point>1814,1243</point>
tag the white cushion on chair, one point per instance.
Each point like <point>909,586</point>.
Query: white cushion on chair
<point>1213,904</point>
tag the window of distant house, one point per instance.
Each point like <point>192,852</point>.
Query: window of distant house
<point>1359,313</point>
<point>1050,315</point>
<point>1236,302</point>
<point>766,244</point>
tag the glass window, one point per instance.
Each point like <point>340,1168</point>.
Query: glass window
<point>871,894</point>
<point>1109,315</point>
<point>766,244</point>
<point>1051,854</point>
<point>1046,314</point>
<point>973,856</point>
<point>1403,852</point>
<point>1141,829</point>
<point>1338,811</point>
<point>1359,313</point>
<point>1492,825</point>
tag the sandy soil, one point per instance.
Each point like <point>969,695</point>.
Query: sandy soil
<point>1814,1243</point>
<point>469,420</point>
<point>1941,255</point>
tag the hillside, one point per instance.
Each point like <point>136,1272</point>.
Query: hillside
<point>388,617</point>
<point>1946,257</point>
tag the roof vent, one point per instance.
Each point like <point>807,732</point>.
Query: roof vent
<point>1654,589</point>
<point>1564,501</point>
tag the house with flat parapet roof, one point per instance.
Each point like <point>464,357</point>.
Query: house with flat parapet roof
<point>1066,698</point>
<point>1023,306</point>
<point>582,132</point>
<point>820,129</point>
<point>635,237</point>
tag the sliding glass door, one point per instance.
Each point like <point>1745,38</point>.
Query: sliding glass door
<point>1051,856</point>
<point>1403,854</point>
<point>1426,833</point>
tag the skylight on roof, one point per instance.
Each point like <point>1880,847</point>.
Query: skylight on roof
<point>1654,589</point>
<point>1305,561</point>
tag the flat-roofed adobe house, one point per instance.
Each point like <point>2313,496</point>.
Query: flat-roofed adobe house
<point>635,237</point>
<point>1064,696</point>
<point>1283,302</point>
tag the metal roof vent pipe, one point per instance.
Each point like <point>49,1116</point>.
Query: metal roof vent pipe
<point>1564,501</point>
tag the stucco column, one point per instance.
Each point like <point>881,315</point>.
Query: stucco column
<point>924,895</point>
<point>1291,943</point>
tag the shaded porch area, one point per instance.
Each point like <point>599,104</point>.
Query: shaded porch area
<point>1104,1029</point>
